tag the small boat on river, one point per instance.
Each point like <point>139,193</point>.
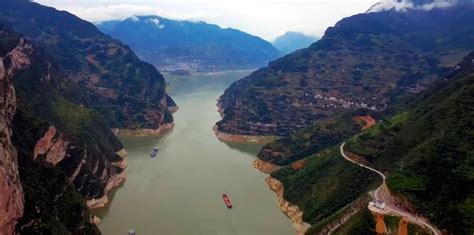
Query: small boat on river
<point>154,152</point>
<point>227,201</point>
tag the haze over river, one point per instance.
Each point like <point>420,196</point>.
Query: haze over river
<point>180,191</point>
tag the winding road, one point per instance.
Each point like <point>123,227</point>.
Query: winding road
<point>385,196</point>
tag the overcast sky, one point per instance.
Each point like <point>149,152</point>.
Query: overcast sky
<point>264,18</point>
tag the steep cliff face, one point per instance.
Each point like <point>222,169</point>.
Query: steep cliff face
<point>11,191</point>
<point>128,92</point>
<point>64,149</point>
<point>73,138</point>
<point>292,211</point>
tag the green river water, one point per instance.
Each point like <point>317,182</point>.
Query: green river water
<point>180,191</point>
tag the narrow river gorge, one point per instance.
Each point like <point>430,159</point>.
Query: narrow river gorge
<point>180,191</point>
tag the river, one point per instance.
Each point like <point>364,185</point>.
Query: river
<point>180,191</point>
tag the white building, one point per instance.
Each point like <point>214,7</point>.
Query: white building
<point>377,204</point>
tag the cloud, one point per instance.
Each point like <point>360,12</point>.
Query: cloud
<point>404,5</point>
<point>265,18</point>
<point>124,10</point>
<point>133,18</point>
<point>438,4</point>
<point>156,22</point>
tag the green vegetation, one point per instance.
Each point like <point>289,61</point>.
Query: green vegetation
<point>52,204</point>
<point>311,139</point>
<point>8,40</point>
<point>361,223</point>
<point>428,154</point>
<point>325,185</point>
<point>369,59</point>
<point>425,148</point>
<point>109,77</point>
<point>392,222</point>
<point>72,116</point>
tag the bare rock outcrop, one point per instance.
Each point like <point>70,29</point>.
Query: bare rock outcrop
<point>235,138</point>
<point>54,150</point>
<point>11,191</point>
<point>144,132</point>
<point>265,167</point>
<point>291,211</point>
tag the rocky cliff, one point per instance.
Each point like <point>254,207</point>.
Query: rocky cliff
<point>290,210</point>
<point>74,138</point>
<point>11,191</point>
<point>64,149</point>
<point>129,93</point>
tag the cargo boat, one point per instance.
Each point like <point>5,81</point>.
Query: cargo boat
<point>227,201</point>
<point>154,152</point>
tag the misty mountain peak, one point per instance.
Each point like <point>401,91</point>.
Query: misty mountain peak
<point>404,5</point>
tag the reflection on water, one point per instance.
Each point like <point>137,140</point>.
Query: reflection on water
<point>180,191</point>
<point>250,149</point>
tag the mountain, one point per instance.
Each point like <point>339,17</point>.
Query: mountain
<point>128,92</point>
<point>64,87</point>
<point>50,146</point>
<point>425,149</point>
<point>292,41</point>
<point>192,46</point>
<point>403,5</point>
<point>364,61</point>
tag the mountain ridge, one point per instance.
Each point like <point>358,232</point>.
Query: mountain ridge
<point>428,172</point>
<point>48,133</point>
<point>292,41</point>
<point>192,46</point>
<point>111,73</point>
<point>364,61</point>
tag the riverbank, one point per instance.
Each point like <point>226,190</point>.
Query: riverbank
<point>291,211</point>
<point>144,132</point>
<point>265,167</point>
<point>192,161</point>
<point>193,74</point>
<point>242,139</point>
<point>112,183</point>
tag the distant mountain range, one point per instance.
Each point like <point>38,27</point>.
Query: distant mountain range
<point>292,41</point>
<point>173,45</point>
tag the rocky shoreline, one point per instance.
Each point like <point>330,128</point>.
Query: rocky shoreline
<point>112,183</point>
<point>173,109</point>
<point>242,139</point>
<point>220,109</point>
<point>291,211</point>
<point>144,132</point>
<point>118,179</point>
<point>239,139</point>
<point>265,167</point>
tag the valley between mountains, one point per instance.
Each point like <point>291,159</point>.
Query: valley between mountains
<point>153,125</point>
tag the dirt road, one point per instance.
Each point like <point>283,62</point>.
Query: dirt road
<point>382,193</point>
